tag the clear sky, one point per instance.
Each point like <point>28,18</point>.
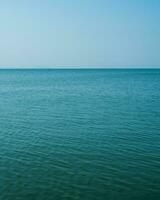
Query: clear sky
<point>80,33</point>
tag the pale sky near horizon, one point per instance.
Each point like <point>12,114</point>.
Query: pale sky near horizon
<point>80,33</point>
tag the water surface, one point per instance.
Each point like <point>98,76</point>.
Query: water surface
<point>80,134</point>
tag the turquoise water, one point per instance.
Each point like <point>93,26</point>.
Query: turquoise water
<point>79,134</point>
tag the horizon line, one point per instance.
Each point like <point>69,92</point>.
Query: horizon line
<point>84,67</point>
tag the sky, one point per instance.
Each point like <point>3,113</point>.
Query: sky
<point>80,33</point>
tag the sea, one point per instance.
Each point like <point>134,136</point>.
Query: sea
<point>79,134</point>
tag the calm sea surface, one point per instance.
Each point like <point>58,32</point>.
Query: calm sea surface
<point>79,134</point>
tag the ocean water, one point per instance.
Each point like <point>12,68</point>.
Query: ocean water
<point>80,134</point>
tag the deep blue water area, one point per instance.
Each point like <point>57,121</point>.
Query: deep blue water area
<point>80,134</point>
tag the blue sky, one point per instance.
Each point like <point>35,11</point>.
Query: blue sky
<point>80,33</point>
